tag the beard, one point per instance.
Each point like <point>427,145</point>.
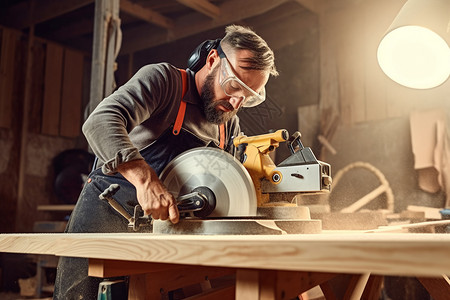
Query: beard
<point>209,103</point>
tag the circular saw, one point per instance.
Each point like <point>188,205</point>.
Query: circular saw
<point>213,182</point>
<point>217,194</point>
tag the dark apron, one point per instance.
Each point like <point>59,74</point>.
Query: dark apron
<point>92,215</point>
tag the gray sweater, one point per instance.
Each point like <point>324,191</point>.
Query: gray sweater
<point>141,110</point>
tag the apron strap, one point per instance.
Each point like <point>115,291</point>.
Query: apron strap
<point>182,111</point>
<point>222,136</point>
<point>182,108</point>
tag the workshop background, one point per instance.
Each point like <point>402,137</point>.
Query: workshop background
<point>382,139</point>
<point>330,88</point>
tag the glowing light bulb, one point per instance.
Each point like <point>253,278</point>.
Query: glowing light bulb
<point>415,57</point>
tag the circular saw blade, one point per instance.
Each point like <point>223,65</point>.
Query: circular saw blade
<point>218,170</point>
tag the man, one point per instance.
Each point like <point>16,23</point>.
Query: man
<point>160,113</point>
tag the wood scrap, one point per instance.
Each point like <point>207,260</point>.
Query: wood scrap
<point>405,227</point>
<point>430,212</point>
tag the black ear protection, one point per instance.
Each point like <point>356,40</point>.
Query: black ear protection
<point>197,59</point>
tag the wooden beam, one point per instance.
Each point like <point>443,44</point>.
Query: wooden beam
<point>24,204</point>
<point>231,12</point>
<point>247,286</point>
<point>145,14</point>
<point>315,6</point>
<point>38,74</point>
<point>17,16</point>
<point>7,67</point>
<point>106,11</point>
<point>338,252</point>
<point>202,6</point>
<point>116,268</point>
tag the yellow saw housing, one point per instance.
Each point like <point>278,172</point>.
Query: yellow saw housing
<point>257,160</point>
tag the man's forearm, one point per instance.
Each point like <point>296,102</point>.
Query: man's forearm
<point>138,172</point>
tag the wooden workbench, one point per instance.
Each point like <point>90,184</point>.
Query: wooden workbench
<point>293,263</point>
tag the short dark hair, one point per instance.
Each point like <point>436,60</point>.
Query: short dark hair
<point>243,38</point>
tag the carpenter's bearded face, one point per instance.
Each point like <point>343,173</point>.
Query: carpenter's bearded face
<point>211,104</point>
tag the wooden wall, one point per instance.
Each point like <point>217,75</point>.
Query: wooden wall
<point>372,110</point>
<point>352,81</point>
<point>52,77</point>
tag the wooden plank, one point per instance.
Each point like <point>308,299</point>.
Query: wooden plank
<point>52,89</point>
<point>24,204</point>
<point>269,285</point>
<point>101,61</point>
<point>56,207</point>
<point>7,68</point>
<point>137,289</point>
<point>353,253</point>
<point>247,285</point>
<point>412,226</point>
<point>116,268</point>
<point>112,48</point>
<point>375,79</point>
<point>329,83</point>
<point>350,65</point>
<point>37,87</point>
<point>72,93</point>
<point>356,58</point>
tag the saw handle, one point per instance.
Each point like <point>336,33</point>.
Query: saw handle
<point>193,202</point>
<point>295,138</point>
<point>108,194</point>
<point>268,139</point>
<point>136,221</point>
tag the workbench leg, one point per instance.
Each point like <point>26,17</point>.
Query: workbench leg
<point>439,288</point>
<point>356,286</point>
<point>353,287</point>
<point>138,289</point>
<point>276,285</point>
<point>268,284</point>
<point>373,288</point>
<point>247,284</point>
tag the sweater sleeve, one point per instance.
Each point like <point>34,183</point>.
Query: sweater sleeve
<point>107,128</point>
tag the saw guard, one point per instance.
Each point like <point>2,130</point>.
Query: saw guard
<point>217,170</point>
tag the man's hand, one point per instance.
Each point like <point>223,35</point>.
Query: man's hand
<point>151,193</point>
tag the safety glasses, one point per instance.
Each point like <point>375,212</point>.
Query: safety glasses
<point>236,88</point>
